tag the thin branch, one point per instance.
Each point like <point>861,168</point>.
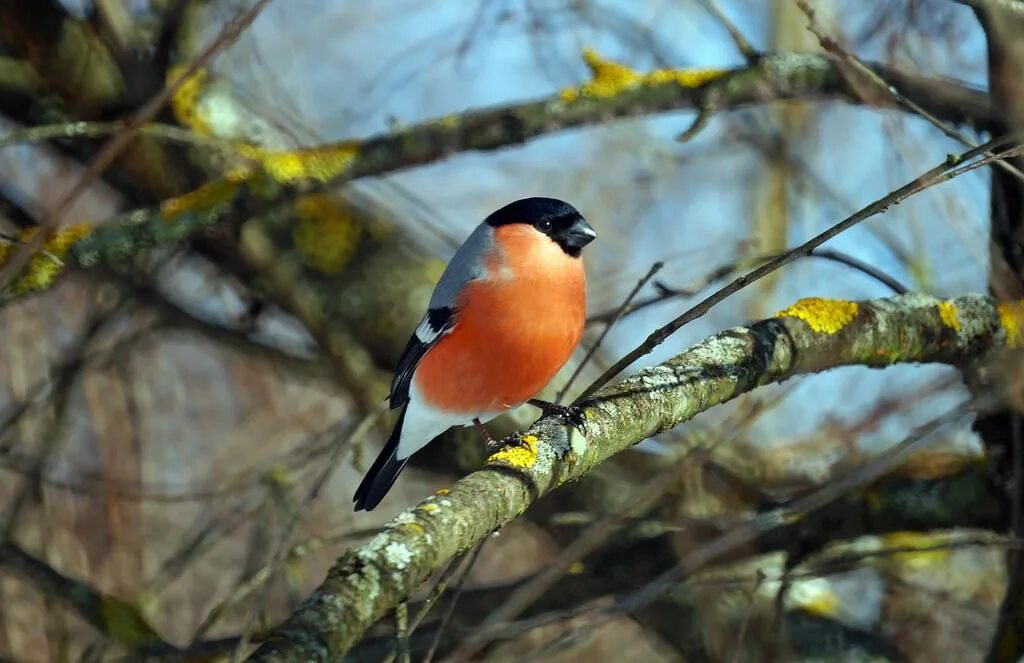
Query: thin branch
<point>666,293</point>
<point>746,49</point>
<point>70,130</point>
<point>800,508</point>
<point>945,171</point>
<point>619,312</point>
<point>115,618</point>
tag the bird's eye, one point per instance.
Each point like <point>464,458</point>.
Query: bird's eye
<point>544,225</point>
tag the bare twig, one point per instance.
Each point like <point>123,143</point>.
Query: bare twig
<point>455,600</point>
<point>342,444</point>
<point>749,531</point>
<point>666,293</point>
<point>655,268</point>
<point>945,171</point>
<point>746,49</point>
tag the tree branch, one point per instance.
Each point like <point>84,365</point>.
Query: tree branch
<point>113,617</point>
<point>615,92</point>
<point>810,336</point>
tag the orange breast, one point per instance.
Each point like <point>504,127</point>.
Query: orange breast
<point>515,329</point>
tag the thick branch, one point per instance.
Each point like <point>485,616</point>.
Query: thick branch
<point>811,336</point>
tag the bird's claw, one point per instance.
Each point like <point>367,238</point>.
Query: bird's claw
<point>515,440</point>
<point>573,415</point>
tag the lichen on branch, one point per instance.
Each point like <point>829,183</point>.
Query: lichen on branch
<point>806,338</point>
<point>611,78</point>
<point>614,92</point>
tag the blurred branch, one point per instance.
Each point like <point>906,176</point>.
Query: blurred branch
<point>1001,431</point>
<point>119,142</point>
<point>746,49</point>
<point>615,92</point>
<point>18,76</point>
<point>69,130</point>
<point>115,618</point>
<point>810,336</point>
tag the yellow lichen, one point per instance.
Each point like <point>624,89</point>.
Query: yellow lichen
<point>792,517</point>
<point>47,263</point>
<point>611,78</point>
<point>947,313</point>
<point>816,597</point>
<point>442,491</point>
<point>429,508</point>
<point>1011,318</point>
<point>522,455</point>
<point>690,78</point>
<point>576,568</point>
<point>209,195</point>
<point>124,622</point>
<point>917,560</point>
<point>326,233</point>
<point>185,102</point>
<point>415,528</point>
<point>824,316</point>
<point>872,498</point>
<point>313,163</point>
<point>280,474</point>
<point>434,268</point>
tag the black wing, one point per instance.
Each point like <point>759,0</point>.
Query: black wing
<point>381,476</point>
<point>435,325</point>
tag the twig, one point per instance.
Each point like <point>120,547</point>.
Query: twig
<point>665,292</point>
<point>402,632</point>
<point>455,600</point>
<point>749,531</point>
<point>655,268</point>
<point>341,447</point>
<point>66,130</point>
<point>861,69</point>
<point>941,173</point>
<point>746,49</point>
<point>114,618</point>
<point>431,599</point>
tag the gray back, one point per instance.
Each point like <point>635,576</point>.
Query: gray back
<point>465,265</point>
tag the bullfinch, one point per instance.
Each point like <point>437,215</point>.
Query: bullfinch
<point>504,318</point>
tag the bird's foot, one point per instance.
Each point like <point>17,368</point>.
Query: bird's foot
<point>513,441</point>
<point>573,415</point>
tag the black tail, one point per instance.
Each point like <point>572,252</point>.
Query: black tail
<point>382,474</point>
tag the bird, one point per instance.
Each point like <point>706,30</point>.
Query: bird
<point>505,316</point>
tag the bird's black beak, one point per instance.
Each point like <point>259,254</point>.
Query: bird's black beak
<point>579,234</point>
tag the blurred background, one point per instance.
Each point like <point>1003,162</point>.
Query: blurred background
<point>181,434</point>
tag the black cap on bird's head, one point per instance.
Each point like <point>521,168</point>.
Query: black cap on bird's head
<point>555,218</point>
